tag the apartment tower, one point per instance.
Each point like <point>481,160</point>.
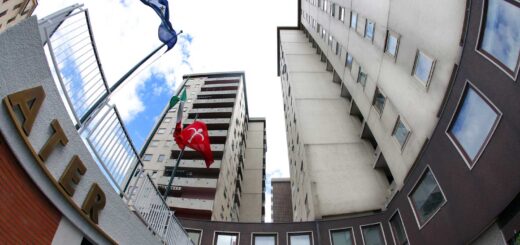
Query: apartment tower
<point>14,11</point>
<point>281,207</point>
<point>363,88</point>
<point>231,189</point>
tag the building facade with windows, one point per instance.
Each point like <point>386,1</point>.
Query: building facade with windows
<point>13,11</point>
<point>459,179</point>
<point>281,205</point>
<point>231,189</point>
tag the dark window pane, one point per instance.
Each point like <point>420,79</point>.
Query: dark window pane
<point>379,101</point>
<point>398,229</point>
<point>372,235</point>
<point>342,237</point>
<point>401,132</point>
<point>427,197</point>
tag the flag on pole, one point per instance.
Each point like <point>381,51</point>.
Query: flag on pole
<point>195,136</point>
<point>178,126</point>
<point>167,34</point>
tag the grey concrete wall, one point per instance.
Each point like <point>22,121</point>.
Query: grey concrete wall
<point>330,163</point>
<point>22,66</point>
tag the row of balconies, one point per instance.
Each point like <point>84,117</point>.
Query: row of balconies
<point>189,182</point>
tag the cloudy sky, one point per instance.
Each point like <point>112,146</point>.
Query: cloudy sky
<point>226,35</point>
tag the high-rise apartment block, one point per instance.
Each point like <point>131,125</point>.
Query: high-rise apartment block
<point>13,11</point>
<point>363,99</point>
<point>281,206</point>
<point>231,189</point>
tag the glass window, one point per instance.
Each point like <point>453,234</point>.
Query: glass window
<point>348,61</point>
<point>423,67</point>
<point>161,131</point>
<point>147,157</point>
<point>341,14</point>
<point>264,239</point>
<point>167,119</point>
<point>369,29</point>
<point>379,101</point>
<point>226,239</point>
<point>160,158</point>
<point>154,143</point>
<point>392,42</point>
<point>398,231</point>
<point>194,235</point>
<point>500,40</point>
<point>362,77</point>
<point>401,132</point>
<point>473,124</point>
<point>372,235</point>
<point>342,237</point>
<point>426,198</point>
<point>353,20</point>
<point>300,239</point>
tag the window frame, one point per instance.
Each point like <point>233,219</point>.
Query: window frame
<point>426,83</point>
<point>472,162</point>
<point>310,233</point>
<point>351,228</point>
<point>275,234</point>
<point>373,224</point>
<point>367,20</point>
<point>159,158</point>
<point>399,119</point>
<point>161,130</point>
<point>350,24</point>
<point>398,37</point>
<point>346,61</point>
<point>374,100</point>
<point>398,212</point>
<point>415,185</point>
<point>217,232</point>
<point>511,74</point>
<point>198,230</point>
<point>147,159</point>
<point>361,70</point>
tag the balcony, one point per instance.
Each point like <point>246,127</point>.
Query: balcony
<point>226,87</point>
<point>194,164</point>
<point>228,81</point>
<point>217,95</point>
<point>200,111</point>
<point>189,182</point>
<point>213,103</point>
<point>189,203</point>
<point>210,115</point>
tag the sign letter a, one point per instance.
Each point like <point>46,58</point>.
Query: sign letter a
<point>29,101</point>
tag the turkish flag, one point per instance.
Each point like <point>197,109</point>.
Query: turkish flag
<point>195,136</point>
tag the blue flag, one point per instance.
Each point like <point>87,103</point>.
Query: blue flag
<point>167,34</point>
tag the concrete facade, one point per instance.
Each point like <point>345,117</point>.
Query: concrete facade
<point>14,11</point>
<point>346,95</point>
<point>220,192</point>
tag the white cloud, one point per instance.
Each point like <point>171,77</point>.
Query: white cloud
<point>228,35</point>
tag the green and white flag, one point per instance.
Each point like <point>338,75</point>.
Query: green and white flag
<point>181,100</point>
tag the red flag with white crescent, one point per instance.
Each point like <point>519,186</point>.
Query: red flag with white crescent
<point>195,136</point>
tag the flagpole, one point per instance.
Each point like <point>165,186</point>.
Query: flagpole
<point>116,85</point>
<point>168,188</point>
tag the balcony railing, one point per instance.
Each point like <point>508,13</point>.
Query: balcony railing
<point>69,44</point>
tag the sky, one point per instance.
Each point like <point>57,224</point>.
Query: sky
<point>219,36</point>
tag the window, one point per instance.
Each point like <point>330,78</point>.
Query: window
<point>11,20</point>
<point>167,119</point>
<point>17,6</point>
<point>342,237</point>
<point>379,101</point>
<point>154,143</point>
<point>160,158</point>
<point>168,171</point>
<point>299,238</point>
<point>161,131</point>
<point>168,143</point>
<point>362,77</point>
<point>369,29</point>
<point>392,43</point>
<point>226,238</point>
<point>423,67</point>
<point>3,13</point>
<point>333,9</point>
<point>147,157</point>
<point>426,198</point>
<point>353,20</point>
<point>500,36</point>
<point>264,239</point>
<point>401,132</point>
<point>474,121</point>
<point>348,61</point>
<point>194,235</point>
<point>372,235</point>
<point>398,230</point>
<point>154,174</point>
<point>341,15</point>
<point>338,48</point>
